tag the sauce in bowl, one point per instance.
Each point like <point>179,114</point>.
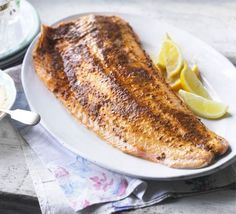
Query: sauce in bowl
<point>7,92</point>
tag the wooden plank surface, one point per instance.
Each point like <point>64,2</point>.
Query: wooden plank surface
<point>211,21</point>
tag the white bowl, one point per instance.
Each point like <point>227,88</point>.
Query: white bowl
<point>7,82</point>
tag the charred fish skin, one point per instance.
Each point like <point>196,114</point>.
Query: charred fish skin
<point>98,69</point>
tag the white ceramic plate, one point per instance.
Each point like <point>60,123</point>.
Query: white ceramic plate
<point>8,92</point>
<point>220,78</point>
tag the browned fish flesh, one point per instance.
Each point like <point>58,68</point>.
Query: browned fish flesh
<point>96,66</point>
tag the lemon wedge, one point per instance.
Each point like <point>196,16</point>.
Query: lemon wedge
<point>203,107</point>
<point>175,82</point>
<point>191,83</point>
<point>162,53</point>
<point>170,57</point>
<point>195,69</point>
<point>160,67</point>
<point>173,59</point>
<point>176,85</point>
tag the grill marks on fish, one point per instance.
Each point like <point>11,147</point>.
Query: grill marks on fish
<point>97,68</point>
<point>115,57</point>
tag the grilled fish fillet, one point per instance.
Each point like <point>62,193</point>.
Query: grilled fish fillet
<point>97,68</point>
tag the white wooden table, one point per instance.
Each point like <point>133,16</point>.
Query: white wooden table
<point>212,21</point>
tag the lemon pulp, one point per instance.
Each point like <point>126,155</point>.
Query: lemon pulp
<point>190,82</point>
<point>170,57</point>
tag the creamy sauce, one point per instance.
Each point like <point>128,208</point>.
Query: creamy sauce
<point>3,97</point>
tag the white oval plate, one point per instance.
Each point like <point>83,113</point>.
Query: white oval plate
<point>218,73</point>
<point>10,90</point>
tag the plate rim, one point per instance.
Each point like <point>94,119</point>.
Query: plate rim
<point>64,144</point>
<point>17,57</point>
